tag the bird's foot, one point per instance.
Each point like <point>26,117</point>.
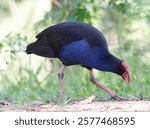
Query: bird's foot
<point>116,97</point>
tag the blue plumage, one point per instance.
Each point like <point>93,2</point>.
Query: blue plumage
<point>77,43</point>
<point>81,53</point>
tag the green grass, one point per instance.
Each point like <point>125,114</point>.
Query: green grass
<point>26,80</point>
<point>26,85</point>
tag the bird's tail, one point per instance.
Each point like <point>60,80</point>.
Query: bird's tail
<point>40,50</point>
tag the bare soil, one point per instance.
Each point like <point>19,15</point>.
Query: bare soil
<point>78,106</point>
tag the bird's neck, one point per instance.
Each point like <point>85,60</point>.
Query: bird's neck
<point>109,63</point>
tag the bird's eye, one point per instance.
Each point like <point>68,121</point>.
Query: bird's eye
<point>122,68</point>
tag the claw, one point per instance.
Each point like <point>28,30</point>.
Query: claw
<point>116,97</point>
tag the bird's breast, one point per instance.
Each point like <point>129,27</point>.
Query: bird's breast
<point>80,52</point>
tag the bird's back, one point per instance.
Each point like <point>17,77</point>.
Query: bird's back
<point>60,35</point>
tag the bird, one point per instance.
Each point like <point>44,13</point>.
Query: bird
<point>78,43</point>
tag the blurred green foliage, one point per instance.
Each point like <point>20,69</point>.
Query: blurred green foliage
<point>119,20</point>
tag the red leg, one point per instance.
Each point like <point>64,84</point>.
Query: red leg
<point>113,95</point>
<point>61,81</point>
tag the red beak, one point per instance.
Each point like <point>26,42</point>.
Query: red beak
<point>126,75</point>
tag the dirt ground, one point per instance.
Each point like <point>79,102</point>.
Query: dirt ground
<point>78,106</point>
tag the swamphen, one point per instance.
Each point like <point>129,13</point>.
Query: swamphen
<point>75,43</point>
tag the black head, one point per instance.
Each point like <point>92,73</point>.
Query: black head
<point>122,69</point>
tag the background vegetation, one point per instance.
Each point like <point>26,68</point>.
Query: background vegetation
<point>27,78</point>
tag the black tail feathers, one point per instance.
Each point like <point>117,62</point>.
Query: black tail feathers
<point>40,50</point>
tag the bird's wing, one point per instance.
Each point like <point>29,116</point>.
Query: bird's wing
<point>60,35</point>
<point>80,52</point>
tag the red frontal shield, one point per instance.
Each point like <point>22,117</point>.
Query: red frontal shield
<point>126,75</point>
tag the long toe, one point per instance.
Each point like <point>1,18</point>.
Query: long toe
<point>116,97</point>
